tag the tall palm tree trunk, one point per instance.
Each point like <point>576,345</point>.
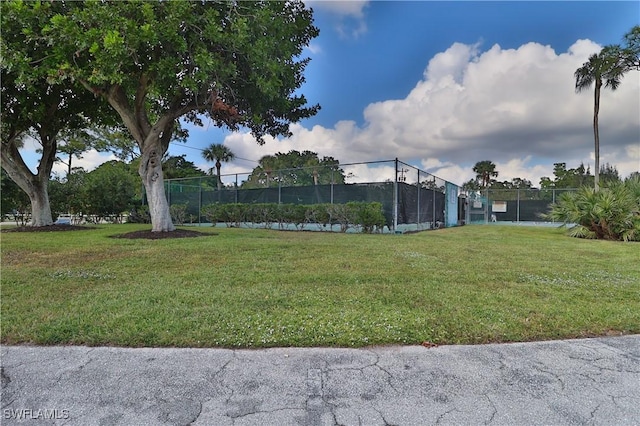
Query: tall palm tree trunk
<point>218,167</point>
<point>596,134</point>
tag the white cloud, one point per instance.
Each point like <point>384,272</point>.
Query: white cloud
<point>314,48</point>
<point>349,15</point>
<point>353,8</point>
<point>89,161</point>
<point>515,107</point>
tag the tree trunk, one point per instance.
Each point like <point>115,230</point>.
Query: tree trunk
<point>35,186</point>
<point>40,206</point>
<point>596,135</point>
<point>38,196</point>
<point>218,167</point>
<point>151,172</point>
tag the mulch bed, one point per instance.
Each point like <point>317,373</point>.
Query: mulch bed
<point>49,228</point>
<point>145,234</point>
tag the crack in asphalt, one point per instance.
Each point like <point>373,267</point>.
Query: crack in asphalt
<point>197,415</point>
<point>386,423</point>
<point>253,413</point>
<point>222,383</point>
<point>538,366</point>
<point>389,375</point>
<point>495,410</point>
<point>4,378</point>
<point>442,416</point>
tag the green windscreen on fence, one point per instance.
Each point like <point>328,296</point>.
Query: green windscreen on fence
<point>421,202</point>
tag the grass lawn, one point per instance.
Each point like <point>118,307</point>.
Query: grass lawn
<point>262,288</point>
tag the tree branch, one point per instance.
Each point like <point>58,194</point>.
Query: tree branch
<point>118,100</point>
<point>139,108</point>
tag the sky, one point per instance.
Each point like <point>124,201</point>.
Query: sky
<point>443,85</point>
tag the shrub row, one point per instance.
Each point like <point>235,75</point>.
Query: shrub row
<point>368,217</point>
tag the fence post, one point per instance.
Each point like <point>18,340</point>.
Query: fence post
<point>553,198</point>
<point>279,187</point>
<point>395,198</point>
<point>486,206</point>
<point>433,197</point>
<point>518,207</point>
<point>236,188</point>
<point>200,202</point>
<point>169,193</point>
<point>332,182</point>
<point>418,206</point>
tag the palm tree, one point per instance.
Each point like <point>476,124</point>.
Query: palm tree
<point>485,171</point>
<point>218,153</point>
<point>269,164</point>
<point>606,67</point>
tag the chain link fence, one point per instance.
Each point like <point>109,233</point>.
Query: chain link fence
<point>411,199</point>
<point>511,205</point>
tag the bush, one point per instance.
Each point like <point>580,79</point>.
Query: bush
<point>612,213</point>
<point>368,216</point>
<point>214,213</point>
<point>292,213</point>
<point>317,213</point>
<point>178,213</point>
<point>342,214</point>
<point>235,213</point>
<point>139,214</point>
<point>265,213</point>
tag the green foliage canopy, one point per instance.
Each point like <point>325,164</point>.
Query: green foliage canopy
<point>235,62</point>
<point>295,168</point>
<point>155,63</point>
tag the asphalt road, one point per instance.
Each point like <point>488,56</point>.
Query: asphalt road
<point>571,382</point>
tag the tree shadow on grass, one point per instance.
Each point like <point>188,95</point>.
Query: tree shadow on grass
<point>134,235</point>
<point>149,235</point>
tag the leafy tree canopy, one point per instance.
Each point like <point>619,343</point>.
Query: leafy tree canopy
<point>33,104</point>
<point>237,63</point>
<point>571,178</point>
<point>178,166</point>
<point>295,169</point>
<point>515,183</point>
<point>485,176</point>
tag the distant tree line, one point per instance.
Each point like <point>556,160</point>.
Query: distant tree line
<point>113,189</point>
<point>563,178</point>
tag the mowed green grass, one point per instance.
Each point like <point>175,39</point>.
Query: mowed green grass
<point>262,288</point>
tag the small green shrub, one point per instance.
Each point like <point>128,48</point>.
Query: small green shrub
<point>368,215</point>
<point>612,213</point>
<point>292,213</point>
<point>264,213</point>
<point>342,214</point>
<point>318,213</point>
<point>235,213</point>
<point>214,213</point>
<point>178,213</point>
<point>139,214</point>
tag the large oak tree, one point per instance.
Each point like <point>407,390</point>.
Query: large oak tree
<point>237,64</point>
<point>34,106</point>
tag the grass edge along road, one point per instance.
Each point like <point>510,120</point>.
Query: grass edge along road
<point>262,288</point>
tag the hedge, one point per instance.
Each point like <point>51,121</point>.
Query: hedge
<point>365,216</point>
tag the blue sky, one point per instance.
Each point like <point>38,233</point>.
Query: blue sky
<point>387,59</point>
<point>442,85</point>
